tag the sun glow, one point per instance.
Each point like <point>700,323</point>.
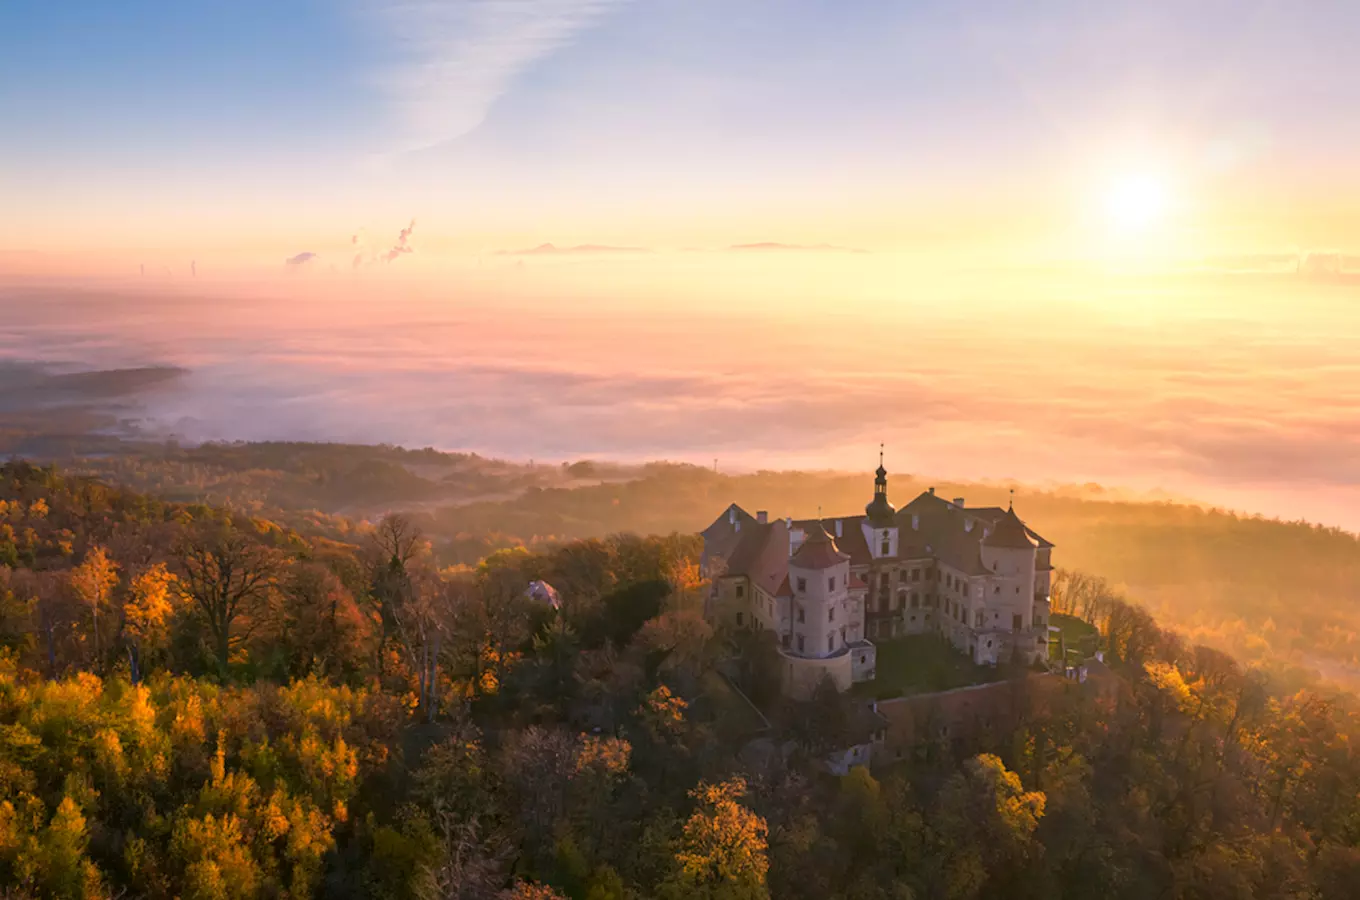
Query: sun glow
<point>1136,203</point>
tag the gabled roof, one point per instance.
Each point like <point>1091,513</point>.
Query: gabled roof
<point>721,537</point>
<point>761,554</point>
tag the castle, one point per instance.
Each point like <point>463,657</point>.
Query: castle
<point>828,588</point>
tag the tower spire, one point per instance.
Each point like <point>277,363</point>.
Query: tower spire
<point>879,510</point>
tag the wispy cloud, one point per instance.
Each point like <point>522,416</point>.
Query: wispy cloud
<point>461,55</point>
<point>579,249</point>
<point>804,248</point>
<point>300,259</point>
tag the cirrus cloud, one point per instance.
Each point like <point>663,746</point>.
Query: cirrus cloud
<point>460,56</point>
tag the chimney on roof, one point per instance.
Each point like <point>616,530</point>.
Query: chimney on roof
<point>958,501</point>
<point>932,492</point>
<point>762,517</point>
<point>840,528</point>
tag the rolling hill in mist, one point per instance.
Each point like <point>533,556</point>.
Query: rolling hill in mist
<point>1283,594</point>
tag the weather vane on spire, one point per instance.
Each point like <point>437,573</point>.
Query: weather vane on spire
<point>1012,505</point>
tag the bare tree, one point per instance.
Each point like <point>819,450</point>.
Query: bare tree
<point>393,546</point>
<point>228,576</point>
<point>421,624</point>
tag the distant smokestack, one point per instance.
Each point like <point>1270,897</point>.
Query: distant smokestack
<point>958,501</point>
<point>762,517</point>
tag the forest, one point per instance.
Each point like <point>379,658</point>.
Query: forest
<point>196,702</point>
<point>1281,595</point>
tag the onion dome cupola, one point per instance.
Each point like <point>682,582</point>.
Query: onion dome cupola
<point>879,511</point>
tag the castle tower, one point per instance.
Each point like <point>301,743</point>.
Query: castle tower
<point>1010,553</point>
<point>819,630</point>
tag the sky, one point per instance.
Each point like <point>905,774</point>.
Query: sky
<point>244,132</point>
<point>1064,241</point>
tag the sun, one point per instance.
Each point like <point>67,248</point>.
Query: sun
<point>1136,202</point>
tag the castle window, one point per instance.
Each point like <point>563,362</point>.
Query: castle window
<point>831,614</point>
<point>830,642</point>
<point>739,620</point>
<point>1016,621</point>
<point>997,589</point>
<point>741,591</point>
<point>915,574</point>
<point>863,658</point>
<point>802,585</point>
<point>883,581</point>
<point>801,620</point>
<point>831,583</point>
<point>785,641</point>
<point>885,547</point>
<point>1017,588</point>
<point>800,643</point>
<point>915,600</point>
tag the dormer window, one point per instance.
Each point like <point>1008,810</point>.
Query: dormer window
<point>885,547</point>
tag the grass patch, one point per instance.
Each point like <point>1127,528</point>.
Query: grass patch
<point>919,664</point>
<point>1080,637</point>
<point>732,713</point>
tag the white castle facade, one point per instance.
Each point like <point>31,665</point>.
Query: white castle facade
<point>829,587</point>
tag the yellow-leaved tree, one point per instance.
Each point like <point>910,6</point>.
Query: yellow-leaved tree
<point>722,853</point>
<point>146,615</point>
<point>94,581</point>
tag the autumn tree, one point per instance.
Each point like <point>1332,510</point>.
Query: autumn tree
<point>94,581</point>
<point>722,852</point>
<point>228,576</point>
<point>146,614</point>
<point>321,631</point>
<point>984,824</point>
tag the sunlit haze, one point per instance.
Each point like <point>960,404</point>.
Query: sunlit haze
<point>1074,242</point>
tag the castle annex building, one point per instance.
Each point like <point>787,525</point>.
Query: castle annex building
<point>828,588</point>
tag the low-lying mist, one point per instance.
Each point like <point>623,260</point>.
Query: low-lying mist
<point>1244,392</point>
